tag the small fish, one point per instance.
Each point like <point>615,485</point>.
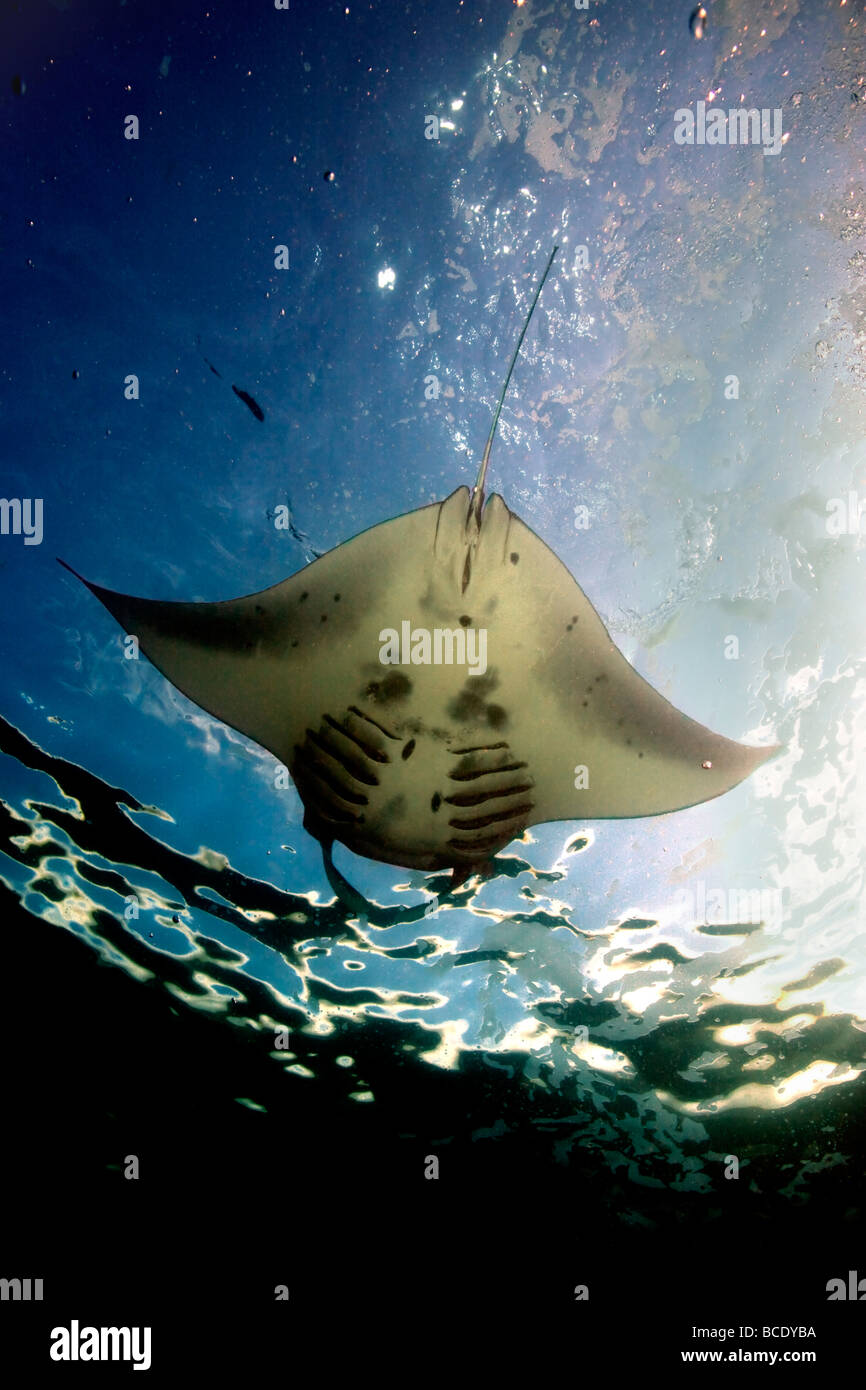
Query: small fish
<point>207,360</point>
<point>292,528</point>
<point>248,401</point>
<point>245,396</point>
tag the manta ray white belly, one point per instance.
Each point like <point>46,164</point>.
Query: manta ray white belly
<point>429,765</point>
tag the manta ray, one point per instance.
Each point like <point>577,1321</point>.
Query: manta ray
<point>434,764</point>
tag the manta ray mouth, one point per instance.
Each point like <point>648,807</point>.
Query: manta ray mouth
<point>409,797</point>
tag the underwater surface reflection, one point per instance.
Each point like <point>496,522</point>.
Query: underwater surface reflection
<point>646,1045</point>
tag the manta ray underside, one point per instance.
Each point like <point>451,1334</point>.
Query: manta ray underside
<point>438,764</point>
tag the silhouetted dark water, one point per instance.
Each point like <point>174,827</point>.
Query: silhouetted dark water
<point>623,1106</point>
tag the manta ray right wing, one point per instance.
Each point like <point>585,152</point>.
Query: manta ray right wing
<point>578,711</point>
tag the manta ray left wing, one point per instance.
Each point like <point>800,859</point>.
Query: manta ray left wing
<point>268,663</point>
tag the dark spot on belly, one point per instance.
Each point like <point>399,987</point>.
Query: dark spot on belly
<point>514,557</point>
<point>574,619</point>
<point>408,750</point>
<point>436,801</point>
<point>640,755</point>
<point>304,596</point>
<point>324,618</point>
<point>395,808</point>
<point>496,716</point>
<point>569,626</point>
<point>465,621</point>
<point>394,687</point>
<point>259,608</point>
<point>336,598</point>
<point>468,705</point>
<point>294,642</point>
<point>585,703</point>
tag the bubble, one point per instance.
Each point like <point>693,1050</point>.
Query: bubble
<point>698,22</point>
